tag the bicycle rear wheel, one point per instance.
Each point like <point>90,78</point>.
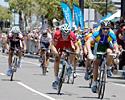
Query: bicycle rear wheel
<point>61,78</point>
<point>101,86</point>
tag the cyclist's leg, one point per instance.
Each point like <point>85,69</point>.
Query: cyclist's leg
<point>96,64</point>
<point>109,62</point>
<point>95,75</point>
<point>10,55</point>
<point>73,61</point>
<point>87,65</point>
<point>56,66</point>
<point>18,46</point>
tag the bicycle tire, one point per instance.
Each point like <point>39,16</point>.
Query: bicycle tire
<point>61,79</point>
<point>43,64</point>
<point>101,86</point>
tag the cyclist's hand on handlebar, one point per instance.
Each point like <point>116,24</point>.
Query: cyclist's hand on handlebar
<point>90,56</point>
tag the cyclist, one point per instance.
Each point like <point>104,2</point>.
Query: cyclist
<point>106,42</point>
<point>87,61</point>
<point>63,38</point>
<point>45,42</point>
<point>14,39</point>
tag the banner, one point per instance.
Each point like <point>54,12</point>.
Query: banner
<point>81,18</point>
<point>67,13</point>
<point>76,17</point>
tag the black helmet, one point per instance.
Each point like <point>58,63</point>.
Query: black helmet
<point>105,23</point>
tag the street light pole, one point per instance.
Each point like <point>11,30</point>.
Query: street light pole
<point>122,8</point>
<point>81,5</point>
<point>106,7</point>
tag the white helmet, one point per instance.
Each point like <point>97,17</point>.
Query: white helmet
<point>15,30</point>
<point>65,31</point>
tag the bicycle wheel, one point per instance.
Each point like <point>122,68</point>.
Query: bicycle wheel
<point>61,78</point>
<point>101,85</point>
<point>42,60</point>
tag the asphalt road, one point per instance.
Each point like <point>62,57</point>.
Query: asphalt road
<point>30,84</point>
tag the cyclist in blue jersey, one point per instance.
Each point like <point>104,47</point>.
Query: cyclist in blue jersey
<point>105,40</point>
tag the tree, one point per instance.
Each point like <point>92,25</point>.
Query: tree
<point>5,13</point>
<point>100,7</point>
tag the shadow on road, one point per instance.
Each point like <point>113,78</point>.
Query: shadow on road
<point>83,86</point>
<point>11,81</point>
<point>65,93</point>
<point>92,98</point>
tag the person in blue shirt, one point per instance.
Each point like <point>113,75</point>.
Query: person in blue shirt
<point>105,41</point>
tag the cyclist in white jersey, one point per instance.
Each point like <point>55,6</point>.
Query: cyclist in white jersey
<point>45,43</point>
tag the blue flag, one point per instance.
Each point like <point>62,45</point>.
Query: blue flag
<point>76,17</point>
<point>81,19</point>
<point>67,13</point>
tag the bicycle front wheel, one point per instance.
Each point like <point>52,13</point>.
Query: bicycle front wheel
<point>61,78</point>
<point>101,86</point>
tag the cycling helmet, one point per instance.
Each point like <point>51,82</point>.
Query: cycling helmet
<point>106,23</point>
<point>15,30</point>
<point>65,31</point>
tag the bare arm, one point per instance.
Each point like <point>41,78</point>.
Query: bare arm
<point>88,45</point>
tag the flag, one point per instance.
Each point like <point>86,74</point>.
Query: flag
<point>67,13</point>
<point>76,17</point>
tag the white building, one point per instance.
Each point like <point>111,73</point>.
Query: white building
<point>117,3</point>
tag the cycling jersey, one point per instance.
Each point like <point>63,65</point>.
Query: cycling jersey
<point>12,38</point>
<point>104,39</point>
<point>59,42</point>
<point>15,41</point>
<point>87,37</point>
<point>45,40</point>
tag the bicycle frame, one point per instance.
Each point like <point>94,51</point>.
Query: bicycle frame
<point>63,73</point>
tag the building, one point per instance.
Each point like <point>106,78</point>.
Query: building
<point>117,3</point>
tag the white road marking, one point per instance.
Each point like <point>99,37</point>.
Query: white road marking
<point>123,85</point>
<point>30,62</point>
<point>35,91</point>
<point>2,74</point>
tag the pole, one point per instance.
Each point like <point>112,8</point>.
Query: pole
<point>81,5</point>
<point>122,8</point>
<point>106,7</point>
<point>89,17</point>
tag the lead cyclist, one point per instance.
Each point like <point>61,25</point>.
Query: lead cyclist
<point>14,40</point>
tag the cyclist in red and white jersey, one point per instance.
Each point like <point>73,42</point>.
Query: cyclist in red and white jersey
<point>63,38</point>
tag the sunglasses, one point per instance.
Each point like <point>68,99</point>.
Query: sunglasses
<point>105,28</point>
